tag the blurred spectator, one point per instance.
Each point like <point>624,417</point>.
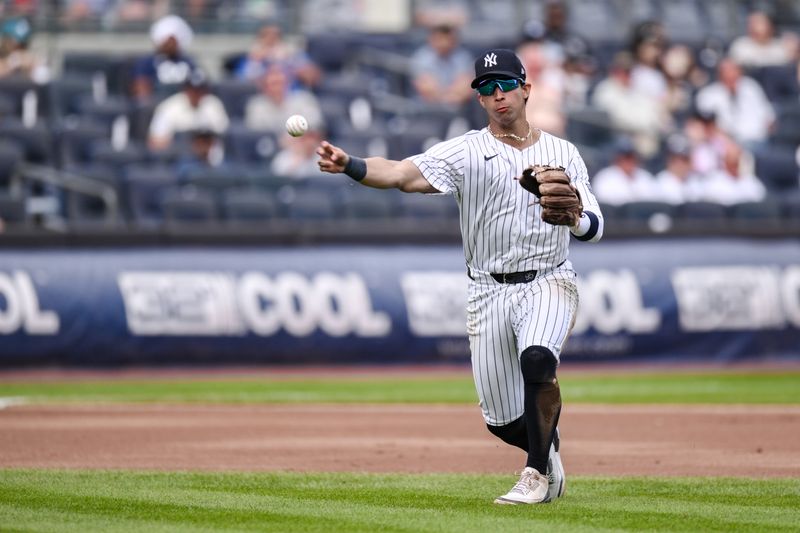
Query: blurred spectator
<point>194,107</point>
<point>442,70</point>
<point>546,100</point>
<point>733,183</point>
<point>298,158</point>
<point>624,181</point>
<point>740,105</point>
<point>81,11</point>
<point>639,115</point>
<point>553,32</point>
<point>271,49</point>
<point>707,140</point>
<point>168,66</point>
<point>141,10</point>
<point>277,102</point>
<point>646,75</point>
<point>683,77</point>
<point>678,183</point>
<point>16,59</point>
<point>760,47</point>
<point>205,152</point>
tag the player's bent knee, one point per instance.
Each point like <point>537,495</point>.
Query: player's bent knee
<point>538,364</point>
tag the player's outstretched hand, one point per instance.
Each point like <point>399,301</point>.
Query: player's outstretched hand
<point>331,158</point>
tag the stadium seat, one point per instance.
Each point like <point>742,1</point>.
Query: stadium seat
<point>104,153</point>
<point>366,203</point>
<point>234,95</point>
<point>12,212</point>
<point>590,127</point>
<point>426,206</point>
<point>36,141</point>
<point>788,130</point>
<point>245,206</point>
<point>188,206</point>
<point>115,69</point>
<point>597,20</point>
<point>75,141</point>
<point>84,210</point>
<point>145,185</point>
<point>643,211</point>
<point>21,92</point>
<point>10,158</point>
<point>777,167</point>
<point>215,180</point>
<point>683,20</point>
<point>251,146</point>
<point>764,214</point>
<point>66,95</point>
<point>312,205</point>
<point>779,83</point>
<point>702,212</point>
<point>330,51</point>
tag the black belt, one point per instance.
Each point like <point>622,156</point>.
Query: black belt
<point>514,277</point>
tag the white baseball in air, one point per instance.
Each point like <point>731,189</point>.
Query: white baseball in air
<point>296,125</point>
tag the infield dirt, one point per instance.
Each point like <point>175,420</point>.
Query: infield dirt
<point>760,441</point>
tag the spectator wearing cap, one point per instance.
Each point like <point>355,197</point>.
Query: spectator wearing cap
<point>634,113</point>
<point>678,183</point>
<point>740,105</point>
<point>271,49</point>
<point>441,70</point>
<point>734,183</point>
<point>168,66</point>
<point>16,58</point>
<point>187,110</point>
<point>276,102</point>
<point>625,181</point>
<point>760,47</point>
<point>205,152</point>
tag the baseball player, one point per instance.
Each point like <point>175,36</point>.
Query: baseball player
<point>521,193</point>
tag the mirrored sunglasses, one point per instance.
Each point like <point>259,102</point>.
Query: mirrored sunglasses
<point>487,87</point>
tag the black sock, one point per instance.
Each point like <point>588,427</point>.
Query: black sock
<point>514,433</point>
<point>542,403</point>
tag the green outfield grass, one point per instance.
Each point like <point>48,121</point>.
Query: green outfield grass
<point>664,387</point>
<point>153,502</point>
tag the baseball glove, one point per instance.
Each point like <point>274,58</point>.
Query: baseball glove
<point>560,201</point>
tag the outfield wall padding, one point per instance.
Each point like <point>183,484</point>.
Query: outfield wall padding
<point>708,300</point>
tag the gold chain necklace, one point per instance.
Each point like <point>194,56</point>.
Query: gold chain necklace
<point>511,135</point>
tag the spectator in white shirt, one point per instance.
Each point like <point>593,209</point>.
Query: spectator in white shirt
<point>633,112</point>
<point>277,102</point>
<point>678,182</point>
<point>624,181</point>
<point>192,108</point>
<point>760,47</point>
<point>708,142</point>
<point>740,105</point>
<point>733,184</point>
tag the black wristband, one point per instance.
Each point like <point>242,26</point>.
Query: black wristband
<point>356,168</point>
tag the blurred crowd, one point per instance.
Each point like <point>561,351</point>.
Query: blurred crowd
<point>658,120</point>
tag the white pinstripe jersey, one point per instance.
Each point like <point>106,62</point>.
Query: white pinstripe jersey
<point>501,230</point>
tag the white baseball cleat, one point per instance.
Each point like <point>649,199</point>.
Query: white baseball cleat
<point>531,488</point>
<point>555,471</point>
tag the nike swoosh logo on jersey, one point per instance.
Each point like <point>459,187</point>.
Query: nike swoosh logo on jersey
<point>488,157</point>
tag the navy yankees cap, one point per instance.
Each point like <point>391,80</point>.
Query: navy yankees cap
<point>498,63</point>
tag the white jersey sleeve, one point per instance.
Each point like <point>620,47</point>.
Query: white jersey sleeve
<point>591,225</point>
<point>443,165</point>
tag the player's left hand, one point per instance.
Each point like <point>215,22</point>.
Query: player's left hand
<point>560,201</point>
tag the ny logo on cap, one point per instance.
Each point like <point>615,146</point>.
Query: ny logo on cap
<point>490,60</point>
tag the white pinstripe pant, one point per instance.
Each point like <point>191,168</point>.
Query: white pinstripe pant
<point>504,319</point>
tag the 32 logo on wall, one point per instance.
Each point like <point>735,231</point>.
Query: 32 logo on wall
<point>220,303</point>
